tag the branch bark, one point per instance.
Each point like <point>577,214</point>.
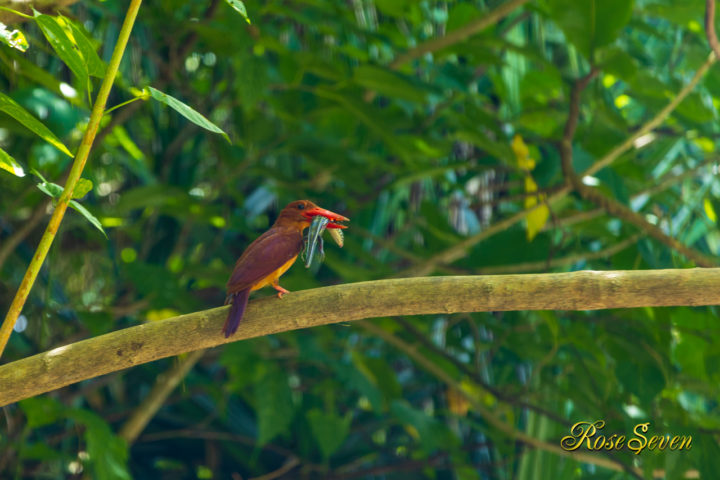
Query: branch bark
<point>710,27</point>
<point>585,290</point>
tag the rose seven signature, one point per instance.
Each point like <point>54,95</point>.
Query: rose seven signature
<point>586,434</point>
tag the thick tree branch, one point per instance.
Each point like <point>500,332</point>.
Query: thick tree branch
<point>586,290</point>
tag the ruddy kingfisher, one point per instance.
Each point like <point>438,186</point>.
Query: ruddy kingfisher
<point>270,255</point>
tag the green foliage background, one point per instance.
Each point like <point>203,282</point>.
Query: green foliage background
<point>420,157</point>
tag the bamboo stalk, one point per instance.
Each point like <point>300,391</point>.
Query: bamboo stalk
<point>75,172</point>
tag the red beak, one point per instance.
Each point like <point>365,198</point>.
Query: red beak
<point>332,216</point>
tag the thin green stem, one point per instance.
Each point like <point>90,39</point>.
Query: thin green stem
<point>75,173</point>
<point>19,14</point>
<point>123,104</point>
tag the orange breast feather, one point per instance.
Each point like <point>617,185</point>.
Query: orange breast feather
<point>274,276</point>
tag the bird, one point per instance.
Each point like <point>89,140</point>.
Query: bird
<point>270,255</point>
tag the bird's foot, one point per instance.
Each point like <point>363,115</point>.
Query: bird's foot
<point>281,290</point>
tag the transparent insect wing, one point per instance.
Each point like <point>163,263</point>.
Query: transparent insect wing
<point>317,226</point>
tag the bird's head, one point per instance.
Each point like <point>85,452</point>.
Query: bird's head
<point>301,212</point>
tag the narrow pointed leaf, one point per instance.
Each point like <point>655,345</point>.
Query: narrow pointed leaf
<point>10,164</point>
<point>66,50</point>
<point>239,6</point>
<point>13,38</point>
<point>95,66</point>
<point>12,108</point>
<point>22,66</point>
<point>88,216</point>
<point>186,111</point>
<point>52,189</point>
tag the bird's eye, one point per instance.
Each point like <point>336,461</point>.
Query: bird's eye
<point>300,206</point>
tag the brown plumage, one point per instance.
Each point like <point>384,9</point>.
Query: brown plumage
<point>270,255</point>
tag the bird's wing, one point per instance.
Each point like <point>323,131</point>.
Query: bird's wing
<point>267,253</point>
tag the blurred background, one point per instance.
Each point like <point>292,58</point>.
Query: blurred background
<point>437,145</point>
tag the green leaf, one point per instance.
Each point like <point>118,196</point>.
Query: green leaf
<point>62,45</point>
<point>274,405</point>
<point>41,411</point>
<point>695,110</point>
<point>690,353</point>
<point>107,453</point>
<point>590,24</point>
<point>125,141</point>
<point>82,187</point>
<point>388,83</point>
<point>52,189</point>
<point>349,376</point>
<point>88,216</point>
<point>22,66</point>
<point>329,430</point>
<point>430,432</point>
<point>186,111</point>
<point>10,164</point>
<point>395,8</point>
<point>12,108</point>
<point>41,452</point>
<point>95,66</point>
<point>239,6</point>
<point>380,373</point>
<point>640,374</point>
<point>13,38</point>
<point>461,14</point>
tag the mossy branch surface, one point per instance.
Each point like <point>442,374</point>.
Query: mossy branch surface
<point>584,290</point>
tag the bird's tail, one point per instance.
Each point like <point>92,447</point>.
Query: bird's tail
<point>239,302</point>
